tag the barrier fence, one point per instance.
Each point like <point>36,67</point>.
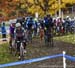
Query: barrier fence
<point>41,59</point>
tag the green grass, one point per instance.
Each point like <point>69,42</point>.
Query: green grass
<point>0,36</point>
<point>5,56</point>
<point>68,38</point>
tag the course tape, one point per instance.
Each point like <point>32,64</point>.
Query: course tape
<point>30,61</point>
<point>70,58</point>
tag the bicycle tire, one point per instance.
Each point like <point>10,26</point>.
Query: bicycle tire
<point>22,51</point>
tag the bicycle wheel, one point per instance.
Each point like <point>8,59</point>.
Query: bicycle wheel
<point>21,52</point>
<point>12,46</point>
<point>46,41</point>
<point>51,42</point>
<point>30,36</point>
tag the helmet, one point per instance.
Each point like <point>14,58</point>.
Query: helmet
<point>70,19</point>
<point>35,19</point>
<point>18,24</point>
<point>67,16</point>
<point>12,21</point>
<point>74,18</point>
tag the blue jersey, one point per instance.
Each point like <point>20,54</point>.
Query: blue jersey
<point>29,24</point>
<point>3,30</point>
<point>48,22</point>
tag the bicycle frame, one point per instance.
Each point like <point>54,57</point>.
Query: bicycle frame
<point>21,52</point>
<point>48,38</point>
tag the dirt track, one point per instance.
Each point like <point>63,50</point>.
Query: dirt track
<point>39,49</point>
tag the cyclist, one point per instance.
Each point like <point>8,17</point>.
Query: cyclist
<point>41,29</point>
<point>12,28</point>
<point>30,23</point>
<point>30,27</point>
<point>20,36</point>
<point>48,20</point>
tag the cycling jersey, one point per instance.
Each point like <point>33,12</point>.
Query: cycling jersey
<point>12,28</point>
<point>20,32</point>
<point>29,24</point>
<point>48,22</point>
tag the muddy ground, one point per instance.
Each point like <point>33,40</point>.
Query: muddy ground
<point>38,49</point>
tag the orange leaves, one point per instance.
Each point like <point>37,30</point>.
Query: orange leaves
<point>9,6</point>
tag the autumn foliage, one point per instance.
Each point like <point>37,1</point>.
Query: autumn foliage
<point>15,8</point>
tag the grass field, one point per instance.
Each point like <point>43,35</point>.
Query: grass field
<point>36,50</point>
<point>68,38</point>
<point>5,56</point>
<point>4,51</point>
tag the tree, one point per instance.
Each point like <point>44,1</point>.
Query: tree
<point>21,7</point>
<point>45,5</point>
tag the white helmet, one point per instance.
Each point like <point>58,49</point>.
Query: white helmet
<point>70,19</point>
<point>67,16</point>
<point>74,18</point>
<point>18,24</point>
<point>12,21</point>
<point>58,17</point>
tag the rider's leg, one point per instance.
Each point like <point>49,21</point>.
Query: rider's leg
<point>24,43</point>
<point>10,43</point>
<point>41,34</point>
<point>17,45</point>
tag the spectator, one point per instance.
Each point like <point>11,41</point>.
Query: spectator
<point>3,30</point>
